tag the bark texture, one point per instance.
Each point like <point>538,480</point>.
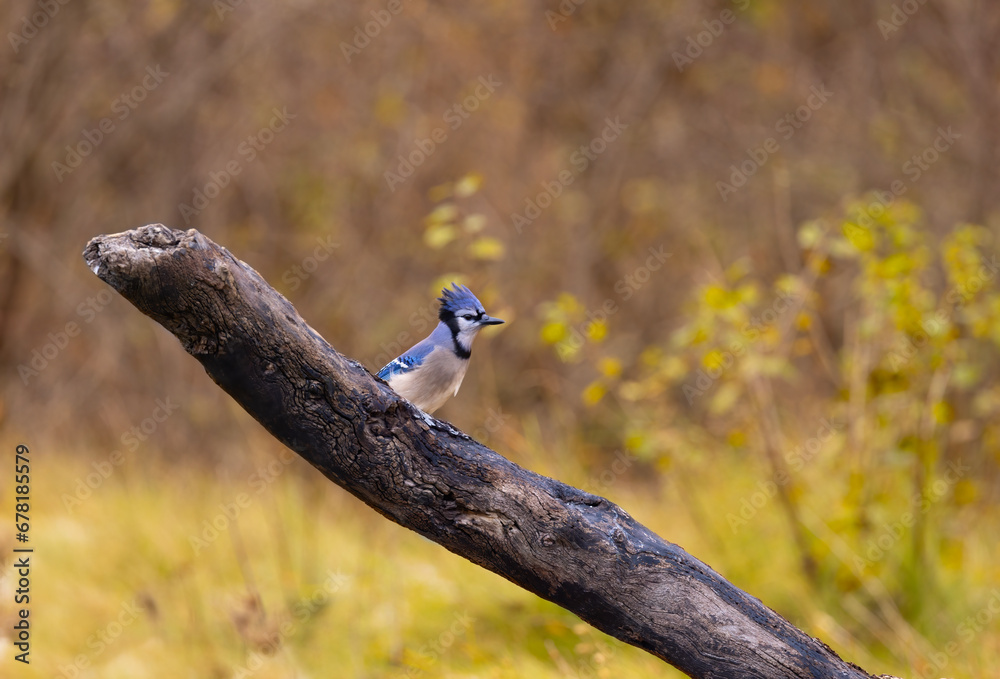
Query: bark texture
<point>575,549</point>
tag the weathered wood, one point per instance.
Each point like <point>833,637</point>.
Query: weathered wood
<point>575,549</point>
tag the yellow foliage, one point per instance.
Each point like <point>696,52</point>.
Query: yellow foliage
<point>468,185</point>
<point>443,213</point>
<point>487,248</point>
<point>713,360</point>
<point>943,413</point>
<point>439,235</point>
<point>736,438</point>
<point>440,192</point>
<point>610,367</point>
<point>717,297</point>
<point>594,392</point>
<point>569,305</point>
<point>474,223</point>
<point>554,332</point>
<point>860,237</point>
<point>597,331</point>
<point>966,492</point>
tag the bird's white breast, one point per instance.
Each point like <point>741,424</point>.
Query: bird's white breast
<point>434,382</point>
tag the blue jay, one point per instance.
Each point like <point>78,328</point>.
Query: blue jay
<point>432,370</point>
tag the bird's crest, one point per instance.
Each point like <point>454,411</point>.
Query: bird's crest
<point>456,298</point>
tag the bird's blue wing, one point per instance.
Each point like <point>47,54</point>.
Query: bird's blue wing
<point>407,362</point>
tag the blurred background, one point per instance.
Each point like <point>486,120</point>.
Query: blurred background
<point>747,251</point>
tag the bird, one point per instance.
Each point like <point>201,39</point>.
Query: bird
<point>431,371</point>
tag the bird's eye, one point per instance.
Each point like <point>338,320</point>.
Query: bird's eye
<point>469,317</point>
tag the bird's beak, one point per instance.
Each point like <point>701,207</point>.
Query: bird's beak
<point>489,320</point>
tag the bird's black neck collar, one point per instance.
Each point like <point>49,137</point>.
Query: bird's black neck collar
<point>452,323</point>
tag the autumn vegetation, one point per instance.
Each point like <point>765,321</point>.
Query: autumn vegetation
<point>747,251</point>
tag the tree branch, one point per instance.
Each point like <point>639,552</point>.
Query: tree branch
<point>575,549</point>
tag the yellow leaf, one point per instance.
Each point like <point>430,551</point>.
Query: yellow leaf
<point>389,108</point>
<point>716,297</point>
<point>438,235</point>
<point>810,234</point>
<point>440,192</point>
<point>725,398</point>
<point>821,265</point>
<point>860,237</point>
<point>468,185</point>
<point>442,214</point>
<point>474,223</point>
<point>674,367</point>
<point>942,412</point>
<point>952,553</point>
<point>635,440</point>
<point>746,293</point>
<point>554,332</point>
<point>610,367</point>
<point>738,269</point>
<point>965,492</point>
<point>487,247</point>
<point>569,305</point>
<point>594,392</point>
<point>597,331</point>
<point>713,360</point>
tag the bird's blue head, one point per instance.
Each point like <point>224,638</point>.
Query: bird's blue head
<point>463,314</point>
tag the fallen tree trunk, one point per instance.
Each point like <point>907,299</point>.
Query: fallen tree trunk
<point>575,549</point>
